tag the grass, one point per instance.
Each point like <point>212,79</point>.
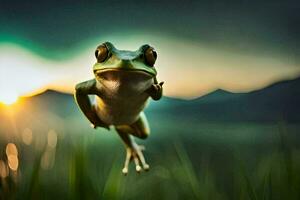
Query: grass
<point>88,166</point>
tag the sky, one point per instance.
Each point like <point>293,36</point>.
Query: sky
<point>233,45</point>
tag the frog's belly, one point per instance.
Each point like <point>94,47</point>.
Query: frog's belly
<point>122,96</point>
<point>119,111</point>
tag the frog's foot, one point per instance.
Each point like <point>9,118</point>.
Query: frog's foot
<point>135,153</point>
<point>155,91</point>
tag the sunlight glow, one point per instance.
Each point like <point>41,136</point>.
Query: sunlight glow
<point>12,156</point>
<point>22,76</point>
<point>52,139</point>
<point>9,98</point>
<point>27,136</point>
<point>3,169</point>
<point>191,73</point>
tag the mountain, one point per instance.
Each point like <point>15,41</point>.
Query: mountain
<point>275,102</point>
<point>61,104</point>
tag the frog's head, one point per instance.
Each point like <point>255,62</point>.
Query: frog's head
<point>111,61</point>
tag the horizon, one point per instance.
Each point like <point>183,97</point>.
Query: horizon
<point>45,91</point>
<point>58,78</point>
<point>205,47</point>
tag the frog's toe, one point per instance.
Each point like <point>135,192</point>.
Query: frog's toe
<point>125,171</point>
<point>138,168</point>
<point>127,160</point>
<point>135,154</point>
<point>146,167</point>
<point>142,160</point>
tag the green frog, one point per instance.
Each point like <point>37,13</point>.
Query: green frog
<point>124,81</point>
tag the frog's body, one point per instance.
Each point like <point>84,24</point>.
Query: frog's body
<point>124,80</point>
<point>123,96</point>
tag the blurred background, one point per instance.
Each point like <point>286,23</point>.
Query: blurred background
<point>227,128</point>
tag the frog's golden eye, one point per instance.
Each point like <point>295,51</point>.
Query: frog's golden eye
<point>101,53</point>
<point>150,56</point>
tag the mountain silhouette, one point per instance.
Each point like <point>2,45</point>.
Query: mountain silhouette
<point>279,101</point>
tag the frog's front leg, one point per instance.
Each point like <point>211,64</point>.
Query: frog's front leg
<point>134,152</point>
<point>82,90</point>
<point>156,90</point>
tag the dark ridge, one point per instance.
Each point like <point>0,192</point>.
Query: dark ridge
<point>279,101</point>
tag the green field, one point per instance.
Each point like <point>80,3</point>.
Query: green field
<point>209,160</point>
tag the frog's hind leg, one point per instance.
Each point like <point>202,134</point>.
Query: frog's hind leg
<point>134,152</point>
<point>140,128</point>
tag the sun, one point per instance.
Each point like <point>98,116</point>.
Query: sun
<point>9,99</point>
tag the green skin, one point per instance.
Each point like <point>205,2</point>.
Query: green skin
<point>122,85</point>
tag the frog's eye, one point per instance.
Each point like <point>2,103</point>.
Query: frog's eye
<point>101,53</point>
<point>150,56</point>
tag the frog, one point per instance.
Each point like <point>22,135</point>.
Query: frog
<point>123,83</point>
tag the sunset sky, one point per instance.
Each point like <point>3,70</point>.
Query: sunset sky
<point>202,45</point>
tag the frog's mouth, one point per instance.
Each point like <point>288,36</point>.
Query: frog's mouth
<point>124,82</point>
<point>123,75</point>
